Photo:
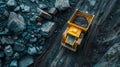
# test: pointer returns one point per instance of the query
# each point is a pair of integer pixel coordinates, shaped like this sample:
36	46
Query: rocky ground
23	36
106	50
30	34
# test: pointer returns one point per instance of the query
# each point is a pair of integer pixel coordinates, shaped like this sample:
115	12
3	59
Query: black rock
6	40
3	13
53	10
62	4
14	63
1	54
11	4
16	23
25	8
48	28
8	50
32	50
26	61
16	55
44	14
19	46
42	6
4	32
17	8
33	39
39	49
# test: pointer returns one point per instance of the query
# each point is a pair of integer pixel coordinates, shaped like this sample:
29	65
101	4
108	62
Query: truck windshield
70	39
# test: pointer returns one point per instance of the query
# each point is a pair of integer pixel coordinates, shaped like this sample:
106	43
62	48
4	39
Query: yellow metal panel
74	31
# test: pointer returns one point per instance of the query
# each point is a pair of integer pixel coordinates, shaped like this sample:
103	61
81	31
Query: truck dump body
77	25
81	21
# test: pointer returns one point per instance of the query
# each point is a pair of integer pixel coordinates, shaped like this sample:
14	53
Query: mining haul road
57	56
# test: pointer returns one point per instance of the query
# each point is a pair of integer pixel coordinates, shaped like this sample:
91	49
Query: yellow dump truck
78	24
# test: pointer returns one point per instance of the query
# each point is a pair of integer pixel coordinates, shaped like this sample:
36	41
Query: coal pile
26	28
24	25
81	21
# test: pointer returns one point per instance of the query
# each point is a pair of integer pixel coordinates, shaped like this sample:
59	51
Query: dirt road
58	56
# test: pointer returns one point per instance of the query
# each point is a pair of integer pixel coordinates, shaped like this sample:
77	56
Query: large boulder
44	14
48	28
62	4
16	22
11	4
